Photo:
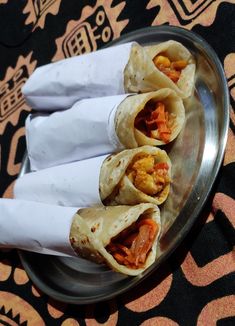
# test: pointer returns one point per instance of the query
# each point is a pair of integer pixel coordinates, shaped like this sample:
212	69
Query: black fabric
199	275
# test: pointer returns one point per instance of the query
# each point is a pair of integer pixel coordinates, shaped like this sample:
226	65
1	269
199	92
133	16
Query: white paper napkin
86	130
75	184
59	85
36	227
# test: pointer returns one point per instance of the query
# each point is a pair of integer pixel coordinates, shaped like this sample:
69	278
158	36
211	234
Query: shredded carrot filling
154	121
171	69
131	246
147	176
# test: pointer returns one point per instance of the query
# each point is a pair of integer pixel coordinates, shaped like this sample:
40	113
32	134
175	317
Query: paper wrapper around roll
69	231
59	85
36	227
72	184
104	179
84	131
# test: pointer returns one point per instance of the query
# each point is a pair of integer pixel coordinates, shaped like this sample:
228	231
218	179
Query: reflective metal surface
196	156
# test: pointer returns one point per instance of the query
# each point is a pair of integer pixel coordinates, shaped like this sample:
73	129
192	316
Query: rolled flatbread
173	66
154	118
123	237
135	176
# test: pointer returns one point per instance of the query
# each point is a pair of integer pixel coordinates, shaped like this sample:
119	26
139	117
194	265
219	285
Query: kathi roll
135	176
103	125
123	237
129	177
119	69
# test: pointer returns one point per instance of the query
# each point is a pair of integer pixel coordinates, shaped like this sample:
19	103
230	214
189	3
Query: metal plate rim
222	143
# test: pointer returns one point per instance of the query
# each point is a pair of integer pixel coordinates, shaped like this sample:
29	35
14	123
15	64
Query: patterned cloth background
196	285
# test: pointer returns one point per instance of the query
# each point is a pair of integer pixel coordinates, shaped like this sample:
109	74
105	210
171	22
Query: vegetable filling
132	246
148	176
171	69
155	121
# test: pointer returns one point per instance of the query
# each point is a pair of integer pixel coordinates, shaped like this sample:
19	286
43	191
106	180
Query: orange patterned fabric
196	285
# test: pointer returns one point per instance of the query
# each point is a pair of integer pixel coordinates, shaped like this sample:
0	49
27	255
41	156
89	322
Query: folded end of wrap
94	232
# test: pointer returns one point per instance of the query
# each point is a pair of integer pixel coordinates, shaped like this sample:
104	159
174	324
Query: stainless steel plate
196	156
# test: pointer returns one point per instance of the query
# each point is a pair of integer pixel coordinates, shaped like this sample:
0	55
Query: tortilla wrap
100	179
90	231
117	186
153	78
131	106
139	75
93	229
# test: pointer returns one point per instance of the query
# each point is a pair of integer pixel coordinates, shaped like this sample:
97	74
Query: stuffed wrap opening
170	66
132	246
156	120
148	175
